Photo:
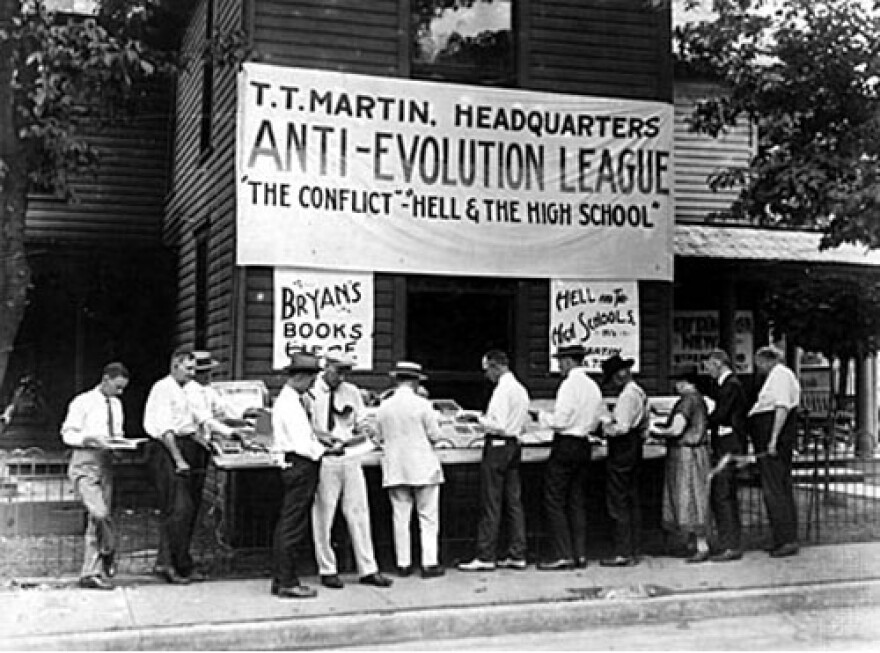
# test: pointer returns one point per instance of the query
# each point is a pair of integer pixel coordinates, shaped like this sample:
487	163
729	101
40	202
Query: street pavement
141	613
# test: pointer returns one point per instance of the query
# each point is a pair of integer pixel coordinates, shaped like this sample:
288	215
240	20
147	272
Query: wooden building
616	50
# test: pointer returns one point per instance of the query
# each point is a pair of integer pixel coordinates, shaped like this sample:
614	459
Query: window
205	131
200	339
468	41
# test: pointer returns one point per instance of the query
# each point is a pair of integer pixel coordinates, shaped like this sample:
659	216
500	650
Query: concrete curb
389	626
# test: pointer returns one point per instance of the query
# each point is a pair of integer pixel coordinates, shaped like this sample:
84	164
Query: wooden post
866	405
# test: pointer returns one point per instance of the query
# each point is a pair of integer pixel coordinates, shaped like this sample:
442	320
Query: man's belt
502	437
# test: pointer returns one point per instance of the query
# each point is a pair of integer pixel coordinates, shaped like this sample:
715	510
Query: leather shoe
556	565
434	571
698	557
403	572
95	583
332	581
477	565
297	592
785	550
728	555
580	563
619	561
171	576
512	563
108	562
376	580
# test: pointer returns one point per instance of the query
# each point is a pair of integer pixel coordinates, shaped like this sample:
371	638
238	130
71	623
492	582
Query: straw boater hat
204	361
302	362
571	351
407	370
340	360
612	365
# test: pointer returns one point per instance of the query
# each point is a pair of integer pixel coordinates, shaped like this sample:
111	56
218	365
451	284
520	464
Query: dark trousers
500	488
565	506
724	499
298	483
622	492
180	497
776	484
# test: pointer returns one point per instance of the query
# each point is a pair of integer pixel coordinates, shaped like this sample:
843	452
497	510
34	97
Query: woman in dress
686	487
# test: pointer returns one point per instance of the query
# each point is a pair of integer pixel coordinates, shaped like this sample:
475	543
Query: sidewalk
241	614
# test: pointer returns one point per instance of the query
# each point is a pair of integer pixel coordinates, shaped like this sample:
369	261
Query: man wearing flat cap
338	411
575	416
300	450
625	429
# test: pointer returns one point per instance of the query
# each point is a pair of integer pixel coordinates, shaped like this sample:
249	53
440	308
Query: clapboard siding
203	190
591	47
349	36
121	203
596	47
697	156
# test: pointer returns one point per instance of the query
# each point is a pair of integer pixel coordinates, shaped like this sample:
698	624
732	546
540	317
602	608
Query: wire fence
42	521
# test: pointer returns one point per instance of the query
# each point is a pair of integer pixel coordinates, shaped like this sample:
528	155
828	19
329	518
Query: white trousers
342	482
427	502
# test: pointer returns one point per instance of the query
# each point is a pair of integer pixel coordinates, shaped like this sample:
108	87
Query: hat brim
412	376
206	367
625	364
301	370
569	354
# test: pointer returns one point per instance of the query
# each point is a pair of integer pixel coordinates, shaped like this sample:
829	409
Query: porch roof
749	243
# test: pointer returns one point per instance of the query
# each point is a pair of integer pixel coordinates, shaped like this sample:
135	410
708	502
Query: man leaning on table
93	419
575	417
338	411
626	430
504	422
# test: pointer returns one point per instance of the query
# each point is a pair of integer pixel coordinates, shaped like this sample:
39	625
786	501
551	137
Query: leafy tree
807	74
58	74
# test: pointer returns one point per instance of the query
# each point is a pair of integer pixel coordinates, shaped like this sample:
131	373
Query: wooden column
866	405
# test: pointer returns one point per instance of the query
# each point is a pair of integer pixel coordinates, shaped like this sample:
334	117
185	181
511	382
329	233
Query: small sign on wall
323	312
603	316
696	333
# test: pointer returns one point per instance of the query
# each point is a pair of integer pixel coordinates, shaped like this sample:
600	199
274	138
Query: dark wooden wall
611	48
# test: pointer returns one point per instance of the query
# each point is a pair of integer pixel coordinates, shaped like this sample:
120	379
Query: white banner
696	333
603	316
355	172
322	312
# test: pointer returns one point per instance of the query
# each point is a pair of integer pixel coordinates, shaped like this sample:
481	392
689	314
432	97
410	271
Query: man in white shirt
773	429
338	410
300	450
206	402
575	417
177	461
93	418
504	422
626	430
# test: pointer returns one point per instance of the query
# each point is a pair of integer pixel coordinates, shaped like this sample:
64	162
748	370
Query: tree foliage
807	74
58	74
836	313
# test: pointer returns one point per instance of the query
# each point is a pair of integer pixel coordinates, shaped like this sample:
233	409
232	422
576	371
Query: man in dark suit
728	422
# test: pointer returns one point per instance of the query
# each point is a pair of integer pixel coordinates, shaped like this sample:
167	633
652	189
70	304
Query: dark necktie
331	418
109	418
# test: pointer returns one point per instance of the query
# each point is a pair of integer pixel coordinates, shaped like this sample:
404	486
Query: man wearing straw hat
407	427
338	410
576	415
625	432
